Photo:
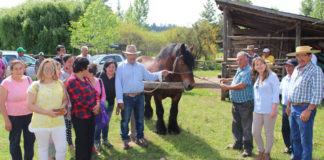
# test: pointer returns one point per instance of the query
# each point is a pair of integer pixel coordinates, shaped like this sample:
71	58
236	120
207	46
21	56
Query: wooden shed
281	32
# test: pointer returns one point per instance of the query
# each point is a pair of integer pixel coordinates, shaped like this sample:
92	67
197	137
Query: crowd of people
69	91
254	92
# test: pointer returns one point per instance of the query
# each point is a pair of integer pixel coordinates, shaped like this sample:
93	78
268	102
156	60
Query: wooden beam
178	85
225	50
286	29
273	38
298	34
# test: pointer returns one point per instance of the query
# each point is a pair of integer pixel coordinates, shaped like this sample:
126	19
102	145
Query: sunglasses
46	69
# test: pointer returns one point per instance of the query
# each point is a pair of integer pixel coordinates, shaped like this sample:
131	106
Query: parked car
101	59
30	61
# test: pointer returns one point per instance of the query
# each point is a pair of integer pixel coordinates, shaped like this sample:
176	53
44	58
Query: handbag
102	119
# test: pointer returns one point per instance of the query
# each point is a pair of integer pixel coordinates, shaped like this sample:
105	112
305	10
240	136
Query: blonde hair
40	73
255	73
14	62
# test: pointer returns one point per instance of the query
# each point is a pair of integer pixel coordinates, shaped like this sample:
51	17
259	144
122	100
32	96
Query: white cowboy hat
249	47
303	49
131	49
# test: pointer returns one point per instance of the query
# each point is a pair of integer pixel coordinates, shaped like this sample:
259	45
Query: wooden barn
281	32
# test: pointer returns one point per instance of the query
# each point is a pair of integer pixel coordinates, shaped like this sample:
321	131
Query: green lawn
209	73
205	122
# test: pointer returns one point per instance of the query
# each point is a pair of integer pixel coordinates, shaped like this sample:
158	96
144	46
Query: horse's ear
183	48
191	48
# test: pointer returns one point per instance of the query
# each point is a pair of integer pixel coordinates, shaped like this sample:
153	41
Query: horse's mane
188	58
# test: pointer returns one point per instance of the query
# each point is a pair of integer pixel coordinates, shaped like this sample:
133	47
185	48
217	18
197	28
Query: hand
223	80
288	111
8	125
224	87
96	109
51	113
273	113
120	106
305	115
72	147
165	73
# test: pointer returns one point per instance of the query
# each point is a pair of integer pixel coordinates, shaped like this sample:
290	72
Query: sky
182	12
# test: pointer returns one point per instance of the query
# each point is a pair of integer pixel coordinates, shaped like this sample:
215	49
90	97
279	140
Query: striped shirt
242	76
307	86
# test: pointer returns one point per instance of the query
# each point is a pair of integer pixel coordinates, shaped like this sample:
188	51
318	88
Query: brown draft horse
178	59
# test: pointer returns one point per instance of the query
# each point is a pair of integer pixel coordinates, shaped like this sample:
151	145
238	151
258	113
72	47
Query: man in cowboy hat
304	93
285	127
250	50
129	87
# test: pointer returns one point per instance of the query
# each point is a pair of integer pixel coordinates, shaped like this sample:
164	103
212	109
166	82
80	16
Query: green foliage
98	27
209	12
307	7
137	13
313	8
38	25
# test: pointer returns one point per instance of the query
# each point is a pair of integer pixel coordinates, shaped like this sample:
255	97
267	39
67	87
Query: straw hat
303	49
131	49
249	47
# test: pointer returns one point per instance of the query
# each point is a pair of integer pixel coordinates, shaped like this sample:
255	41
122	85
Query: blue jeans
104	130
19	125
137	104
302	133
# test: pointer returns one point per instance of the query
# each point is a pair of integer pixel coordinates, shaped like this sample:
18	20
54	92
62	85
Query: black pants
242	124
285	128
20	124
84	133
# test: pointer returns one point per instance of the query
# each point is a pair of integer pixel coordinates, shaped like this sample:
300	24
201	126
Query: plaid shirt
307	86
83	97
245	94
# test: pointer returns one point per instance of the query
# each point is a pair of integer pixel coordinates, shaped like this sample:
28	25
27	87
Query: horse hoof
174	130
160	132
148	115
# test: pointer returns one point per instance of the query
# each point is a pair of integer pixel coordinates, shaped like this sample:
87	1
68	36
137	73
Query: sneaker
126	145
141	142
246	154
98	146
95	151
107	144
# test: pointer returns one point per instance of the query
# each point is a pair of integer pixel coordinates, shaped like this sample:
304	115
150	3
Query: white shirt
266	94
88	57
284	89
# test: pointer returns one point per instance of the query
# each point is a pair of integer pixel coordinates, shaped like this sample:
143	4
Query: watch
310	109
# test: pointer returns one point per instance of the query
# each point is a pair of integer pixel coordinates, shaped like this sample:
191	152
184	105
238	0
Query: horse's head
183	66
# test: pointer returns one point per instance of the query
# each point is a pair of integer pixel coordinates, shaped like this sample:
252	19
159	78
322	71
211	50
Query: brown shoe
266	156
246	154
126	145
260	156
141	142
232	146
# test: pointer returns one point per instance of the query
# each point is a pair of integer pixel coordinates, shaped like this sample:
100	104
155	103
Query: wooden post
298	34
225	47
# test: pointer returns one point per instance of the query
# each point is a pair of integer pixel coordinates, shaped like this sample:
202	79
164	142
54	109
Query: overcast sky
182	12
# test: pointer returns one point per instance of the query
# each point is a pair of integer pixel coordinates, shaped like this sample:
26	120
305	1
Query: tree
313	8
209	12
38	26
97	27
137	14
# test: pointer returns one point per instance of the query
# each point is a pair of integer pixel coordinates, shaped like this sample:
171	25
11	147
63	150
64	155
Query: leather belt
299	104
132	94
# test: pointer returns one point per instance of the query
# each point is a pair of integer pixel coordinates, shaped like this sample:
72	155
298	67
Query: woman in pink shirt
99	86
13	106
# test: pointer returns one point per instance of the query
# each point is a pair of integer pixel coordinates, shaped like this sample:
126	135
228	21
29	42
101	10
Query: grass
209	73
205	123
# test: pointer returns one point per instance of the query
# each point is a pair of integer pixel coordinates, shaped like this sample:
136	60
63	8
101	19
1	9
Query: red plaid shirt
83	97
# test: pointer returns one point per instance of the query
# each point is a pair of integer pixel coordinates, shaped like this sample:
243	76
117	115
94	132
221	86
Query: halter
175	66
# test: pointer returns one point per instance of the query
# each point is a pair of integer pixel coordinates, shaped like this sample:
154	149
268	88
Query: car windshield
97	58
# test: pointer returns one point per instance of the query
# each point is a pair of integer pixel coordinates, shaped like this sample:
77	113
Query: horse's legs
173	123
148	111
160	126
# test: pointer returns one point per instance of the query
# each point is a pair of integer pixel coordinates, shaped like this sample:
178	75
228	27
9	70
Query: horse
179	60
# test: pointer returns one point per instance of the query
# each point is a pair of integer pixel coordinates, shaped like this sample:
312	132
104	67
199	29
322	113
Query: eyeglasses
46	69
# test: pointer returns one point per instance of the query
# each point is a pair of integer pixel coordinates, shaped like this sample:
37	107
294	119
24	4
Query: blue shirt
129	78
4	61
284	87
242	76
266	94
251	58
307	86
